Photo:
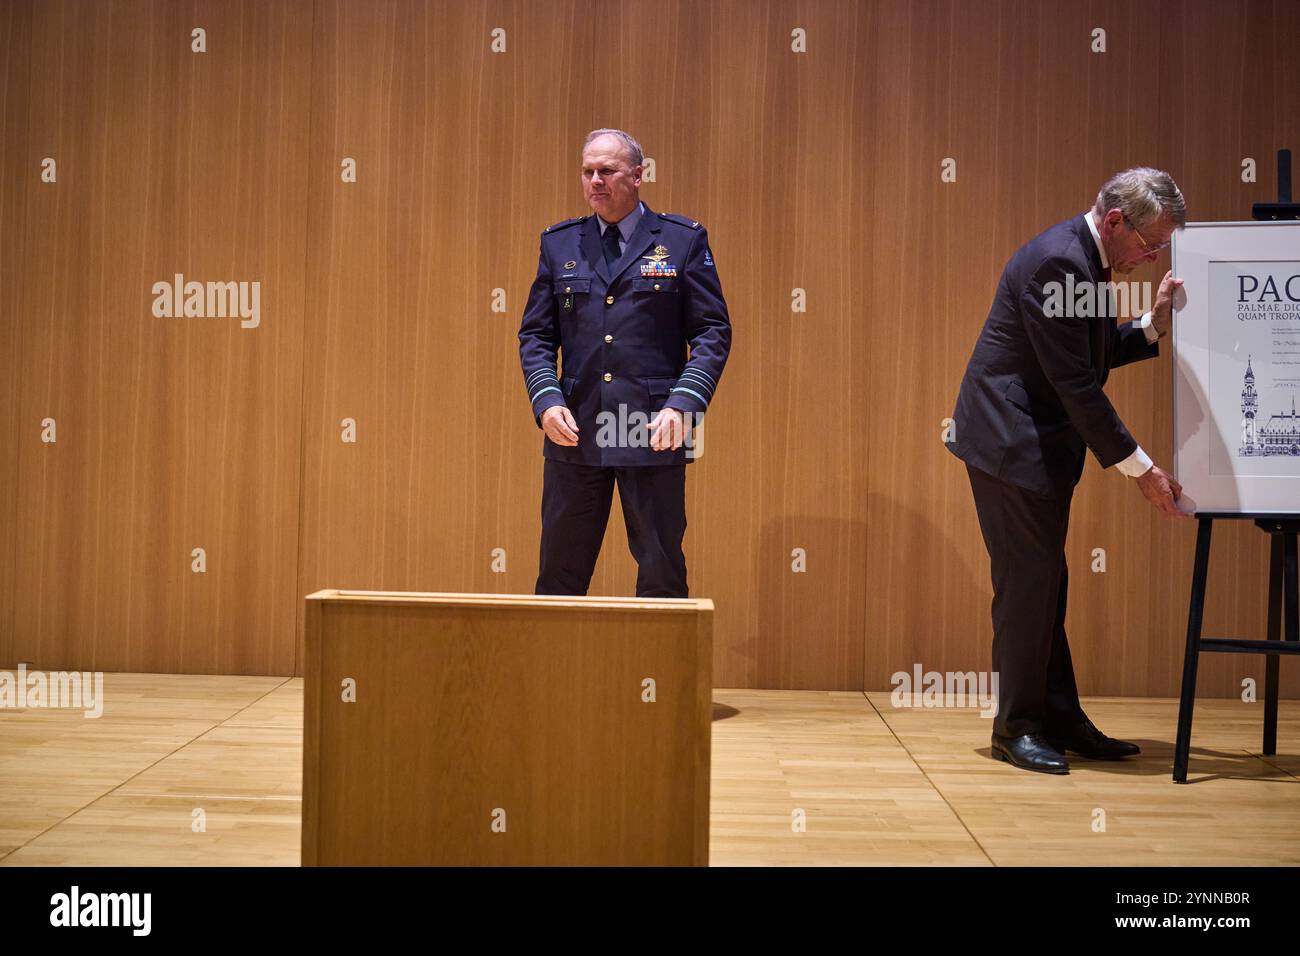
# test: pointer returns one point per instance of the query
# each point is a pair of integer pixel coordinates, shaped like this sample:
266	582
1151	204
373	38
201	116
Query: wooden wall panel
1037	121
401	269
1210	116
1228	91
173	433
448	462
817	171
16	177
785	463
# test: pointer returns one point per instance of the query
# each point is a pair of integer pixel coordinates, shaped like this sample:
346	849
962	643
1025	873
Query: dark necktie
609	239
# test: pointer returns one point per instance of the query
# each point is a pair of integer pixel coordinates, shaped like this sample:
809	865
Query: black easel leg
1273	633
1195	614
1291	587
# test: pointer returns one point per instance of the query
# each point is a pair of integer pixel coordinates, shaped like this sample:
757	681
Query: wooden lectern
502	729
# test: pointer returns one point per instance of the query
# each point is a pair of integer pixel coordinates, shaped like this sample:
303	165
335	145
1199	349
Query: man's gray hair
630	146
1142	194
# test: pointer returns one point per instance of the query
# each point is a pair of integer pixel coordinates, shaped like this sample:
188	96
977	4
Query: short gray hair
630	146
1142	194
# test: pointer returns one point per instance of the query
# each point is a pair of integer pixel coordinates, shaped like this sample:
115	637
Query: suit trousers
575	510
1025	536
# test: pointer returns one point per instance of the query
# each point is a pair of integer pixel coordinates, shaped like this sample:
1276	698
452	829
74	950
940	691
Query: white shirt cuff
1135	465
1147	325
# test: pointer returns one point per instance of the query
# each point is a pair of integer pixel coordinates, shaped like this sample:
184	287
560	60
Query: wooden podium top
556	601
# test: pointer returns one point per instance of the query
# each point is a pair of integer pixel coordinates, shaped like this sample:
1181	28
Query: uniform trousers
575	509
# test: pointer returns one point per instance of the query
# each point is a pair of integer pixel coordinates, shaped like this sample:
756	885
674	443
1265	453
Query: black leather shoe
1030	752
1087	741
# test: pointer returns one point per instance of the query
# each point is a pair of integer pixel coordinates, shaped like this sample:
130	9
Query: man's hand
1161	490
666	430
558	423
1162	314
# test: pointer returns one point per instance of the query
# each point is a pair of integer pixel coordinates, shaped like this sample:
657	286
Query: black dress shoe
1087	741
1030	752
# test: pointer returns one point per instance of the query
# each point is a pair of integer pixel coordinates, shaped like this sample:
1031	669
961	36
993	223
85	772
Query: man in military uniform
620	296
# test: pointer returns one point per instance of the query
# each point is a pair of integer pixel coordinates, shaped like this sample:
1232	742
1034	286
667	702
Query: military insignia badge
571	263
658	267
708	257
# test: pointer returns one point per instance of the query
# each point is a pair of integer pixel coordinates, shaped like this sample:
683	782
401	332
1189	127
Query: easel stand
1281	569
1281	584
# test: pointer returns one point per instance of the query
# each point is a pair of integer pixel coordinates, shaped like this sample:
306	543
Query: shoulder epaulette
562	225
680	220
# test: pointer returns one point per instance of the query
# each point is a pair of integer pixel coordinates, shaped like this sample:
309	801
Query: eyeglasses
1146	246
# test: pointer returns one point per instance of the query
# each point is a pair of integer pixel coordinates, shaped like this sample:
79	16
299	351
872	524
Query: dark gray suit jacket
1031	399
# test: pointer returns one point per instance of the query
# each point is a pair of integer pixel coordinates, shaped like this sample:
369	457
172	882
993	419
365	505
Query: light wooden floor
876	785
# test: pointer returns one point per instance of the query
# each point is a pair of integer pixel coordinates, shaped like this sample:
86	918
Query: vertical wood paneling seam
856	608
25	193
302	359
231	366
139	375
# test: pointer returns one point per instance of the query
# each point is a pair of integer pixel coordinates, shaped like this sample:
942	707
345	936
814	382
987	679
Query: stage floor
877	785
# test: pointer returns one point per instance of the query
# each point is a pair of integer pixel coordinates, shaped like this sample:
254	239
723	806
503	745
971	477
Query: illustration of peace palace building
1280	435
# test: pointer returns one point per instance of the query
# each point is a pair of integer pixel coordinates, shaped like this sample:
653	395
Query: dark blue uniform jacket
650	331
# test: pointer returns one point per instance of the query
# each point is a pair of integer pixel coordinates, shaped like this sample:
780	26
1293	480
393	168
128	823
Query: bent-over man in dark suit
1030	404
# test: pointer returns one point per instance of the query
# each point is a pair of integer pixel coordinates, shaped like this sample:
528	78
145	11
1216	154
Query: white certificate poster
1237	368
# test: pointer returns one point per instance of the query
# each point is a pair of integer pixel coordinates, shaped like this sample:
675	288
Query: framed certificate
1237	368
